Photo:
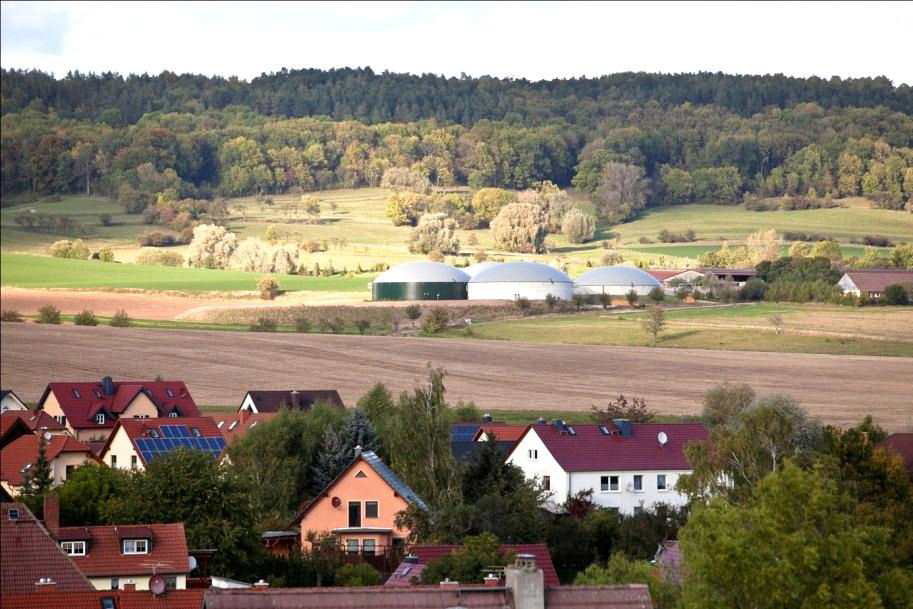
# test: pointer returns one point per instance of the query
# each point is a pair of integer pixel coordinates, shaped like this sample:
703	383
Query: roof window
13	514
100	418
153	433
254	424
107	602
220	424
169	392
76	393
195	432
233	425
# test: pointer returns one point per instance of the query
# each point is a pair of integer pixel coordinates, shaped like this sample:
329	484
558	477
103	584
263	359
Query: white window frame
352	546
100	418
113	461
534	453
13	514
134	461
136	544
634	483
73	548
605	488
173	414
665	486
617	484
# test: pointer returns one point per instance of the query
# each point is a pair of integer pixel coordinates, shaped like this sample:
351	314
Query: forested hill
363	95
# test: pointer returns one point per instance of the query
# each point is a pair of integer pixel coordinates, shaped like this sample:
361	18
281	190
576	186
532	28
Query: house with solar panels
134	443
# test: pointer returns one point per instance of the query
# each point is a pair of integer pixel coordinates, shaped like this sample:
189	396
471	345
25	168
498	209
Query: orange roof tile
24	450
104	557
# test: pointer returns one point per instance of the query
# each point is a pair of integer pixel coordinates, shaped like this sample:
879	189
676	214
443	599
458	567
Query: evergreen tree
37	479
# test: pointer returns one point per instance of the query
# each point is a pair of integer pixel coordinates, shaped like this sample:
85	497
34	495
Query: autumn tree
487	202
654	322
434	233
635	410
212	247
578	227
622	191
520	227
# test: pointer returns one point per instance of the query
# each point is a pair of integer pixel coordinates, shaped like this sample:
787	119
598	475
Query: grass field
691	250
806	329
22	270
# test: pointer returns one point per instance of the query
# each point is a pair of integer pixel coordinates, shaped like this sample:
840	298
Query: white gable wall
122	447
847	286
248	404
541	464
11	402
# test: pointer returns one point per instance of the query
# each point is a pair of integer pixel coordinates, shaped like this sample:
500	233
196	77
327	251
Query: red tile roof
504	432
104	557
901	444
876	280
631	596
663	275
24	450
377	597
429	553
303	399
54	599
145	428
34	419
81	401
589	450
28	553
237	425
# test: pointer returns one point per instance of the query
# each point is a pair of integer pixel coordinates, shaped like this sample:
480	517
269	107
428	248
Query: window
73	548
171	582
169	392
220	424
195	432
533	453
367	546
115	583
133	461
76	394
153	433
638	483
547	483
361	474
352	546
68	472
113	460
13	514
661	482
173	414
136	546
100	418
233	425
604	483
107	602
370	509
354	514
613	483
638	509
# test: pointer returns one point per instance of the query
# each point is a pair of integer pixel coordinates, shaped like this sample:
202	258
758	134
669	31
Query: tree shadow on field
678	335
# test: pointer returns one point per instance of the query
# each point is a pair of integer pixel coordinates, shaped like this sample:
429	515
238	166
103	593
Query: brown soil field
220	366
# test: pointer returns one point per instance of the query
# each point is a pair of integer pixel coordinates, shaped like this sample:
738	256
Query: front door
354	513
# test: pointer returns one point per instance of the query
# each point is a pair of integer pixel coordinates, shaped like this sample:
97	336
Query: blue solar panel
183	431
167	431
463	432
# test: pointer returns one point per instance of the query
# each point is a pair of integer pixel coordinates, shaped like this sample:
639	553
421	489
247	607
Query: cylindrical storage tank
424	280
514	280
616	281
474	269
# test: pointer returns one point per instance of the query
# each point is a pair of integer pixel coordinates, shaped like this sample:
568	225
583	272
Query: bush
520	227
264	324
578	227
303	325
268	288
49	314
611	258
362	325
632	298
357	574
895	294
523	304
211	247
666	236
413	312
605	300
435	320
85	318
434	233
657	295
332	326
487	202
120	319
155	258
106	220
550	301
69	249
157	239
10	315
754	289
106	254
877	241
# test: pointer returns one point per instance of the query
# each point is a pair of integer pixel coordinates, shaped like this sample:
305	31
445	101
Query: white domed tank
423	280
616	281
514	280
474	269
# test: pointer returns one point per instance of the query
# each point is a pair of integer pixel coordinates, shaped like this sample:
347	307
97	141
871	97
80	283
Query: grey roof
618	275
514	272
392	479
474	269
294	399
423	271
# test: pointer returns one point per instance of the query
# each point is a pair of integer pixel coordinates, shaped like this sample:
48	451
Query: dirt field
220	366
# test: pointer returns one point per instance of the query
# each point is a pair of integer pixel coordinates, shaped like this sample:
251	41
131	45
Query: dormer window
233	425
195	432
173	414
73	548
136	546
13	514
100	418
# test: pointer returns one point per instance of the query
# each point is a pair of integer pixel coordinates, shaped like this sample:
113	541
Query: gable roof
590	450
33	419
80	402
901	444
12	427
161	436
53	599
876	280
24	450
297	399
380	468
167	549
28	553
426	554
237	425
10	392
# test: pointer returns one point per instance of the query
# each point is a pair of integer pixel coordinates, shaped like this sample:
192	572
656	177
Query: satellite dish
157	585
336	501
192	562
662	438
47	436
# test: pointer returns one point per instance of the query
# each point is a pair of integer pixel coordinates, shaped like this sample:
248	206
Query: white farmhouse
628	466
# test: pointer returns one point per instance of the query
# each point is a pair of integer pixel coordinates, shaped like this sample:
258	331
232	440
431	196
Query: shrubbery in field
105	254
49	314
487	202
405	208
160	258
69	249
435	320
11	315
578	227
211	247
404	178
268	288
120	319
435	232
85	318
520	227
264	324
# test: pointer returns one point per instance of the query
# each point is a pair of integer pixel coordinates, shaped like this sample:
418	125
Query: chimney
526	582
107	385
262	584
447	584
52	514
129	587
492	581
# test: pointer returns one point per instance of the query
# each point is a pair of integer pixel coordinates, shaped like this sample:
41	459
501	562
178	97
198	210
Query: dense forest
680	138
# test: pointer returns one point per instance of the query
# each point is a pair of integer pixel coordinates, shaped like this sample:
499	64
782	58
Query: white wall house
10	401
628	466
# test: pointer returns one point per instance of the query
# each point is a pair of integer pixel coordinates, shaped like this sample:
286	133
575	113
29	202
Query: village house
873	282
33	421
62	452
135	442
10	401
293	399
628	466
359	507
90	410
236	426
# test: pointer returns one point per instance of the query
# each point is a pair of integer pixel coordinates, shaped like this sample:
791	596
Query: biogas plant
505	281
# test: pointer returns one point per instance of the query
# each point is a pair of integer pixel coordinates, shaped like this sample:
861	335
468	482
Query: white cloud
529	40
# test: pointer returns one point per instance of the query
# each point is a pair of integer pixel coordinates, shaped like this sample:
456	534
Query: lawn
807	329
28	271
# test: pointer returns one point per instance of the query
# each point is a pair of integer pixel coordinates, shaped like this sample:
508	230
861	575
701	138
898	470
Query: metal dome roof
478	267
512	272
618	275
423	271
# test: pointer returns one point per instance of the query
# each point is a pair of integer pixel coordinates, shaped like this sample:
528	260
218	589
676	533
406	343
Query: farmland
495	374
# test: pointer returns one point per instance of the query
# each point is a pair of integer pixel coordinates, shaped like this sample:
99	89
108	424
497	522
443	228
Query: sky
537	40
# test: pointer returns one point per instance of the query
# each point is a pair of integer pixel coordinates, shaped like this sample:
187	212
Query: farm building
615	281
515	280
423	280
873	282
